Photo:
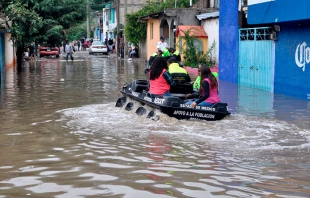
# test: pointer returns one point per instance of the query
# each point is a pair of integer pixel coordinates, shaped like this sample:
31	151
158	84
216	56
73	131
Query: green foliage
193	55
135	30
75	32
98	4
26	22
43	21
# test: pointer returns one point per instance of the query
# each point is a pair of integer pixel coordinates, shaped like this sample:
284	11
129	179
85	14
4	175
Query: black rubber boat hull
172	106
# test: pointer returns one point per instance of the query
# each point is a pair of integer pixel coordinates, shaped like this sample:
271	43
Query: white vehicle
98	47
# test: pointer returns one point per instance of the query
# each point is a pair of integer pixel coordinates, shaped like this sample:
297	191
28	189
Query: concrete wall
211	27
132	6
187	17
10	55
228	41
7	54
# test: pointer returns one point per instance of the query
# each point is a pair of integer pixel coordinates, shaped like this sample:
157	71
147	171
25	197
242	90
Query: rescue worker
178	73
166	53
153	56
175	53
180	77
196	84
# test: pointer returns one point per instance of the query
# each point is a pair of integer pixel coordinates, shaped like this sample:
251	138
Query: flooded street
62	136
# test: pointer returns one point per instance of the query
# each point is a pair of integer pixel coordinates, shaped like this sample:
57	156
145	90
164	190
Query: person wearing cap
178	73
162	43
180	77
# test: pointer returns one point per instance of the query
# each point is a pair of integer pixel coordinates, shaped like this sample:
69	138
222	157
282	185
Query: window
151	31
199	44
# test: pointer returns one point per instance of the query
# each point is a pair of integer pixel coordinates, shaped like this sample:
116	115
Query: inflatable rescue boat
173	106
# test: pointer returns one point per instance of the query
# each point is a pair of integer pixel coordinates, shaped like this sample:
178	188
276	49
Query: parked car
98	47
48	51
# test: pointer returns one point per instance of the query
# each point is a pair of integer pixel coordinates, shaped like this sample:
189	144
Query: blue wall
277	11
2	60
291	79
228	41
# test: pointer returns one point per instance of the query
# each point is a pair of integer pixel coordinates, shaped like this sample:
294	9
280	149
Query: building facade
271	46
210	23
165	24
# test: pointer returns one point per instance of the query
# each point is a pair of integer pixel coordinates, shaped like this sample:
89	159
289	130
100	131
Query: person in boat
196	84
175	53
160	78
160	44
165	53
179	74
208	89
153	56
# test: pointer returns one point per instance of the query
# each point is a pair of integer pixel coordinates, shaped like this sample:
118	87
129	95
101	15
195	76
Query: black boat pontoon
173	106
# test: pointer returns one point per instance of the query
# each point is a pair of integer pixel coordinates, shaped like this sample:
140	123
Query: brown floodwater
62	136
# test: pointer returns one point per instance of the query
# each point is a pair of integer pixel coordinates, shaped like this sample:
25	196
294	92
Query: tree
193	55
42	21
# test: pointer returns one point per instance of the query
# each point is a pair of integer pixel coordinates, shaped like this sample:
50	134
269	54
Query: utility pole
118	33
87	20
125	40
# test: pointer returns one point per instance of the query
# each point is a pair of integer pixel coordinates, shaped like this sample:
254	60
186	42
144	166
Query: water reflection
61	136
259	103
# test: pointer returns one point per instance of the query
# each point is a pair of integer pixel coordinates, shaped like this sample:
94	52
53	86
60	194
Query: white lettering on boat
177	112
147	99
198	107
208	108
194	114
135	94
185	105
159	101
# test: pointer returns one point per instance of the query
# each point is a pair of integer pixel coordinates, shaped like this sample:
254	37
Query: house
108	22
201	38
115	13
210	23
165	24
269	50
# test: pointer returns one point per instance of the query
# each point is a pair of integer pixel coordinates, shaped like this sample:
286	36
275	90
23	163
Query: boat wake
240	135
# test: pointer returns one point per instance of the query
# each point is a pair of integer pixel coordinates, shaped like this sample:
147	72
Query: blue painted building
2	56
280	38
228	41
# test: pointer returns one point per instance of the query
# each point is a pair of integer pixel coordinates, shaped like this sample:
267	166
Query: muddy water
61	136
